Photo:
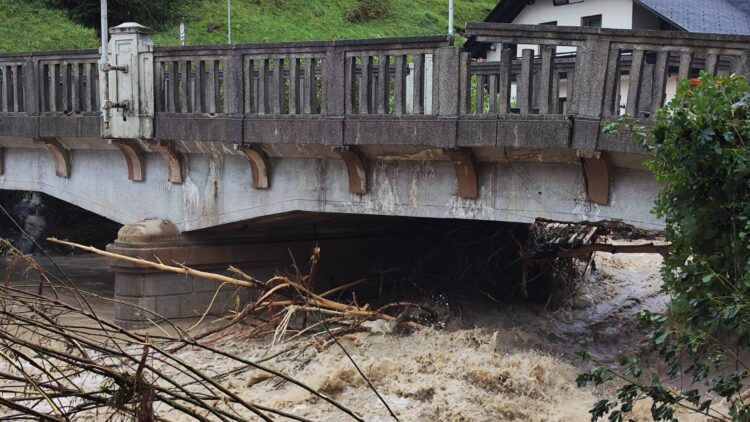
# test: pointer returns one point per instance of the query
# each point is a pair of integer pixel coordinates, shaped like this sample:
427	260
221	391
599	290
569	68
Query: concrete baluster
418	94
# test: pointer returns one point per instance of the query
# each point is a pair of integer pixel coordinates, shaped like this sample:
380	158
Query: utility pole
104	59
450	17
229	21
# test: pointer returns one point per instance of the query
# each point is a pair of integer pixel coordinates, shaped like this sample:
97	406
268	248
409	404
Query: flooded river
488	363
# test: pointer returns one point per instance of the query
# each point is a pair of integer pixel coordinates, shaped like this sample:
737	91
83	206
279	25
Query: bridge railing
603	71
417	90
64	82
242	93
388	76
37	89
68	83
584	75
11	85
395	79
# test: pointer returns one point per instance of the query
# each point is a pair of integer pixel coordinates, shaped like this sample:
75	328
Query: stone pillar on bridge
129	74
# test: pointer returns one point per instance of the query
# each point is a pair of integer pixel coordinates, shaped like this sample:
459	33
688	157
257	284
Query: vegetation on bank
703	159
37	25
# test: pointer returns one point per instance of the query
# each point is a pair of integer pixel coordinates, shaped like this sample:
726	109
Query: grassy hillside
291	20
26	26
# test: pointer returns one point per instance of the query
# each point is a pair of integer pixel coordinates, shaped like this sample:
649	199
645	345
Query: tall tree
153	13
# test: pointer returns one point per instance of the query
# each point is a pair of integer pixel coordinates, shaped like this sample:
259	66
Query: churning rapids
488	363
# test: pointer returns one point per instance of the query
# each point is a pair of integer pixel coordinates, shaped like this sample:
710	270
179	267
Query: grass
26	26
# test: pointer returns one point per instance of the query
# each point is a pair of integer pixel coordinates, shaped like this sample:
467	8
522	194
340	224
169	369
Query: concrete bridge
200	137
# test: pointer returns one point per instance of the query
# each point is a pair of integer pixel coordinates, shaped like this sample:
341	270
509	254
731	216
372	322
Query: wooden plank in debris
589	235
585	250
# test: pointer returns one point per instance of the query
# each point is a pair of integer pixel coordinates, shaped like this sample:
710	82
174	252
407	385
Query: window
592	21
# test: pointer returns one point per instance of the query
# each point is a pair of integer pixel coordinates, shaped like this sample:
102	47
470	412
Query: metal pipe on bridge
104	60
450	17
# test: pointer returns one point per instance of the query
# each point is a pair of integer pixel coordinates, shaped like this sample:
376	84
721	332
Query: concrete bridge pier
144	294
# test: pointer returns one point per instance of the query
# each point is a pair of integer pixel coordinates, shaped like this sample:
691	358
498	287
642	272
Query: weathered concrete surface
144	294
217	189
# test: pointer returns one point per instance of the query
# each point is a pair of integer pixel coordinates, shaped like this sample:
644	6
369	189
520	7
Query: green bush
702	158
368	10
153	13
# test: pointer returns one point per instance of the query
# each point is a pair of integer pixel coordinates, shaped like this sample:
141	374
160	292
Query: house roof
712	16
715	16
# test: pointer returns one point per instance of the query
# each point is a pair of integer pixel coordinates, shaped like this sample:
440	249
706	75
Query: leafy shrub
153	13
703	159
368	10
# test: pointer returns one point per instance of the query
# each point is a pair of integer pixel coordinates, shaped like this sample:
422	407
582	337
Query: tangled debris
48	361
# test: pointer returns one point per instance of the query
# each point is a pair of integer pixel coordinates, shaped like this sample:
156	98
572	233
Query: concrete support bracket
355	168
172	159
467	173
596	170
259	165
133	154
60	155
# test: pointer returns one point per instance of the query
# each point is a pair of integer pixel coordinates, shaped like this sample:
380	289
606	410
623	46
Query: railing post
334	82
742	65
130	75
30	87
591	73
447	92
234	90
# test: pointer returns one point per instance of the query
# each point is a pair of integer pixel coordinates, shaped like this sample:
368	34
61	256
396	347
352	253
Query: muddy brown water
487	362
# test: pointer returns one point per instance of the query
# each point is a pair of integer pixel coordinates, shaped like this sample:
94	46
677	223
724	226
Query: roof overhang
657	13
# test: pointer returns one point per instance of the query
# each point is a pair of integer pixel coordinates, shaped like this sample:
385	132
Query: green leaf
661	337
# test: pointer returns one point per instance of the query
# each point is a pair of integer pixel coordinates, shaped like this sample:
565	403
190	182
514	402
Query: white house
705	16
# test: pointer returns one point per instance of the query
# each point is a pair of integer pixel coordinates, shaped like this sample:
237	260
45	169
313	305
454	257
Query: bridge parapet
336	93
600	74
292	92
49	94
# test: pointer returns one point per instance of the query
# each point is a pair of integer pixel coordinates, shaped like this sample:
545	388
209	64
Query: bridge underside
213	184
